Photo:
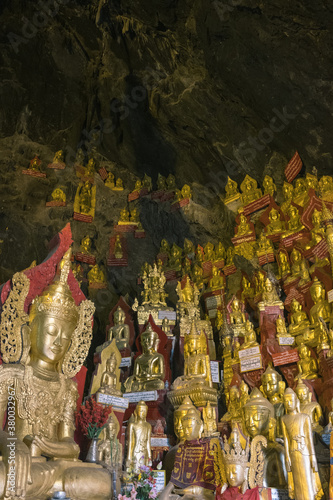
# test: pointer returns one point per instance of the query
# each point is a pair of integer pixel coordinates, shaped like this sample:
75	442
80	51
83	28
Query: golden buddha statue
96	275
247	289
269	185
119	331
288	192
189	249
209	418
321	307
138	438
118	248
318	231
230	256
90	168
307	365
269	296
220	252
197	276
110	449
243	227
259	420
175	260
161	183
85	199
311	408
275	225
109	181
283	263
326	188
219	320
209	254
124	216
299	321
244	393
259	282
237	316
250	190
109	378
39	365
217	281
164	247
58	157
186	192
303	478
234	413
272	386
300	192
228	361
35	164
231	191
250	337
171	182
58	195
294	223
281	329
135	216
137	187
265	246
149	367
311	180
178	196
197	380
85	246
119	186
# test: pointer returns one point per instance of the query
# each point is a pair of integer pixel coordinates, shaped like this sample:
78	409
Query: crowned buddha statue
243	228
231	191
269	296
209	254
307	364
250	337
299	322
237	316
318	231
217	281
109	181
288	192
109	378
197	380
171	182
294	223
283	263
149	367
303	478
209	418
300	192
326	188
58	195
265	246
138	439
272	386
259	420
275	225
41	354
119	331
250	190
311	408
269	185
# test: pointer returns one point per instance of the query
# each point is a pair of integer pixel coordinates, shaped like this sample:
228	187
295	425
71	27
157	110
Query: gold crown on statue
57	299
195	334
233	453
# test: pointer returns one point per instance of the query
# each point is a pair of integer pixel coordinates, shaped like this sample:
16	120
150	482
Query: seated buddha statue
281	329
299	321
326	188
90	168
300	192
243	227
265	246
231	191
209	254
58	157
137	187
234	413
58	195
124	216
39	369
164	247
269	185
217	280
135	216
175	260
186	192
275	225
294	223
109	181
96	275
35	164
118	248
237	316
119	331
311	408
321	307
85	246
269	296
311	180
209	418
259	420
230	256
171	182
307	365
317	231
85	198
110	450
250	190
250	337
119	186
220	253
283	263
288	192
149	367
247	289
161	183
109	378
197	276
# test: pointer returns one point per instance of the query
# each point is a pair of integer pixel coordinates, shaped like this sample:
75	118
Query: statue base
55	203
83	217
33	173
168	196
125	228
85	258
199	394
266	259
157	195
227	270
57	166
140	234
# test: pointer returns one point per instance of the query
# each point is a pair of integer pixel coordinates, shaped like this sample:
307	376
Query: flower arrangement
92	417
144	484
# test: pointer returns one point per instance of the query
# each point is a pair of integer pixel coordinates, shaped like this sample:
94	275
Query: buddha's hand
16	458
67	448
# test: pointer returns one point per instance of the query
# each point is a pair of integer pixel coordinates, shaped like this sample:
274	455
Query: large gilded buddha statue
41	354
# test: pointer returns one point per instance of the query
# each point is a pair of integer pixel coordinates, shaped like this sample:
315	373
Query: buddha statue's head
303	392
149	340
56	324
111	363
234	395
119	316
291	401
141	411
192	424
258	414
274	215
292	212
311	181
287	190
270	381
326	183
268	285
304	352
112	427
294	307
236	460
178	416
295	256
235	305
317	290
300	186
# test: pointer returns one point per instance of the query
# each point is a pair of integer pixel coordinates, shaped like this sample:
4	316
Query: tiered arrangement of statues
217	378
